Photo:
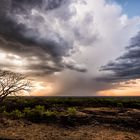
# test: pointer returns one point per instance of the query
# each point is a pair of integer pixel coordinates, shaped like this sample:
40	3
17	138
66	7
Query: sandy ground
22	130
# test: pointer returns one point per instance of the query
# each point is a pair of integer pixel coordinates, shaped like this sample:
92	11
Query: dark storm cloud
26	5
13	32
76	67
19	39
127	66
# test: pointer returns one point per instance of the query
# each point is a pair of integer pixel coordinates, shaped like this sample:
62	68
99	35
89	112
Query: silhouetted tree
12	84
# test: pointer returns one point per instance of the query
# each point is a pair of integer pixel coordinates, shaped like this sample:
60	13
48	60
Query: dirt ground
22	130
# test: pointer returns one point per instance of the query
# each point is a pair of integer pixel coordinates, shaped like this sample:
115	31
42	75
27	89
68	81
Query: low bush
16	114
71	111
50	113
2	109
36	113
120	105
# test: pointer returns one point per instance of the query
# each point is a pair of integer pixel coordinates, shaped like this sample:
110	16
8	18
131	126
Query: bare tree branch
12	84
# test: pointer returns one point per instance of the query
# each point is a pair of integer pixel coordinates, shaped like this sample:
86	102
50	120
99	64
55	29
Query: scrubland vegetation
45	109
70	112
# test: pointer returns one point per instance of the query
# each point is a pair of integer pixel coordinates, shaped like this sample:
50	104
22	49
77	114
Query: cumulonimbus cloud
61	38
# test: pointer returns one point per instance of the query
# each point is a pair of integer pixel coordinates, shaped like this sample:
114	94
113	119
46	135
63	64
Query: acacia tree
12	84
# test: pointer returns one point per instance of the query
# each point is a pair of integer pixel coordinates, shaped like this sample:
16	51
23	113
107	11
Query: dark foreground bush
39	114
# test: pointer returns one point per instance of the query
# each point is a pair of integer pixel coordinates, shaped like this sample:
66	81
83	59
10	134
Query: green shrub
27	112
35	113
120	105
39	108
5	113
2	109
50	113
16	114
71	111
38	111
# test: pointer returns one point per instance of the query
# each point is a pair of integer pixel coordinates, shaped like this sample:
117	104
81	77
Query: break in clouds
69	41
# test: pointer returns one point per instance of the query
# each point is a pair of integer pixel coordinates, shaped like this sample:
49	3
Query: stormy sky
72	47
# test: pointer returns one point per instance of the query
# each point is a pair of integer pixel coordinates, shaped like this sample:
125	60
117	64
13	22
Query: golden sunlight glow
130	88
117	92
42	89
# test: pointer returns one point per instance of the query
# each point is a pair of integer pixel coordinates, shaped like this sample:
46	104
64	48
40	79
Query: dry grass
30	131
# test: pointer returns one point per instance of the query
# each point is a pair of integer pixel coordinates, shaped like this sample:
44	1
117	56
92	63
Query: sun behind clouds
42	89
